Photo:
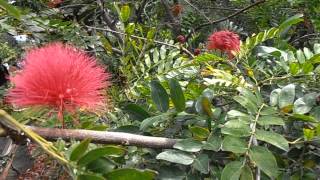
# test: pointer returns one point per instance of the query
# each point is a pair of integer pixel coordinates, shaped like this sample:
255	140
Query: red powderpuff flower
225	41
59	76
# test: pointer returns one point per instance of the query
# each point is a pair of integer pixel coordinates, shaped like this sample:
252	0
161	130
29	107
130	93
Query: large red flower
225	41
59	76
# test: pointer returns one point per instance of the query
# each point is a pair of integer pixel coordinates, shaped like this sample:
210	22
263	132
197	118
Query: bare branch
104	137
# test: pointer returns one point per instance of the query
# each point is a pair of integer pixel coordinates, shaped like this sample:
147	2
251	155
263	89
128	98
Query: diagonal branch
108	20
226	18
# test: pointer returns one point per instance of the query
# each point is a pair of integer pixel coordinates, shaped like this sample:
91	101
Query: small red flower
196	52
59	76
181	39
225	41
54	3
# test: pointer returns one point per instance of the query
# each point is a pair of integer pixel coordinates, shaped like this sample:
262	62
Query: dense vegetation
175	69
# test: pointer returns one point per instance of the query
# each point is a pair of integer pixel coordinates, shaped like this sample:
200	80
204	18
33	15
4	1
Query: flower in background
225	41
59	76
177	9
54	3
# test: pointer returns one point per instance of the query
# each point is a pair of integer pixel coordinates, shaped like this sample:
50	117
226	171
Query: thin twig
226	18
197	9
108	20
145	39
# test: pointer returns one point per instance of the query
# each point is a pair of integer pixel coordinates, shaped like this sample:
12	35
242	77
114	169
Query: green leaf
125	13
177	95
90	177
307	52
213	143
199	132
155	120
189	145
79	150
300	56
206	57
147	60
270	120
307	68
272	138
291	21
246	103
246	173
294	68
159	96
13	11
249	95
268	111
308	134
274	97
236	128
101	165
265	160
287	95
171	172
232	171
304	104
234	144
201	163
301	117
235	113
132	174
136	111
100	152
176	156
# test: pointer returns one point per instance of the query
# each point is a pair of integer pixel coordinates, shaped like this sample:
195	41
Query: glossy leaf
13	11
176	156
246	173
272	138
265	160
159	96
201	163
132	174
136	111
234	144
232	171
236	128
287	95
79	150
189	145
100	152
125	13
270	120
155	120
101	165
199	132
90	177
177	95
304	104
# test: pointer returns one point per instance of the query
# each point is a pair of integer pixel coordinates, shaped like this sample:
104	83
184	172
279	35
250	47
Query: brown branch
108	20
104	137
176	28
226	18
